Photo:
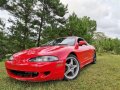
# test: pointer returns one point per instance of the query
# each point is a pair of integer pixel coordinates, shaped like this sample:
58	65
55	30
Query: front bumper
34	71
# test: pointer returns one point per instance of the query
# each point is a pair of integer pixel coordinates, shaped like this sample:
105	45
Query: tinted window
62	41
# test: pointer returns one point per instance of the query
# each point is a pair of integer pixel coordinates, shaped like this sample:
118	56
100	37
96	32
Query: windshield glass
62	41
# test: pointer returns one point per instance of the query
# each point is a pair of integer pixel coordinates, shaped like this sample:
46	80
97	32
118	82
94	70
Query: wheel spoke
75	66
72	71
68	65
71	62
68	71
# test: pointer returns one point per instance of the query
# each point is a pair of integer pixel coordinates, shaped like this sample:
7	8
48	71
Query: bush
107	45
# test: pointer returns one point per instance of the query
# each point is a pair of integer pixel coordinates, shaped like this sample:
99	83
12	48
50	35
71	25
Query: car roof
75	37
72	37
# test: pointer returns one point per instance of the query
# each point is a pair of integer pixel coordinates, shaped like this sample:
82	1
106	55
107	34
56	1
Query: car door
84	51
91	53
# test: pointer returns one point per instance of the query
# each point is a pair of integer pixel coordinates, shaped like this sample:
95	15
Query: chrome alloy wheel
72	68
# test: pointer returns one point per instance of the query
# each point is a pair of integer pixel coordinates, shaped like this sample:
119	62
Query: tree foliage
83	27
38	21
31	17
74	26
49	13
3	39
104	44
23	11
2	3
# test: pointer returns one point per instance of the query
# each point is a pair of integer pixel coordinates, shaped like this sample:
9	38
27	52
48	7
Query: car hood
37	51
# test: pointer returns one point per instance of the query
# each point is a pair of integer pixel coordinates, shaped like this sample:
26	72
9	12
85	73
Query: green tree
2	3
52	32
2	39
31	17
23	11
83	27
50	14
107	45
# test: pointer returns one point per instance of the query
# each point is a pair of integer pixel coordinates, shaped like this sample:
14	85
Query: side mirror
82	43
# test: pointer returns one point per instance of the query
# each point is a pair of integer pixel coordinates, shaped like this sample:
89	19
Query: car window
81	39
62	41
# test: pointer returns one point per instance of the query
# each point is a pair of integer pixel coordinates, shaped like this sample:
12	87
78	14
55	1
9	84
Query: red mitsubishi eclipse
59	59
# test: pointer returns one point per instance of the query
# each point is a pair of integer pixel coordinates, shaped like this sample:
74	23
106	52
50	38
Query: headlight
11	58
44	59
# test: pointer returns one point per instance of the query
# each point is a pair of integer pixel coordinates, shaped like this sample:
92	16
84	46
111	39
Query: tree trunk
41	25
39	35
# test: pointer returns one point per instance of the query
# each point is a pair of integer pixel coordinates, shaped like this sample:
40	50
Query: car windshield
62	41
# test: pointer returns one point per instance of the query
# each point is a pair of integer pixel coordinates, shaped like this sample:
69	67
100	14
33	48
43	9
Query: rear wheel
72	68
94	59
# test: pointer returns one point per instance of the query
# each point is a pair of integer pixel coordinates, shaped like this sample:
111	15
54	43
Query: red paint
47	70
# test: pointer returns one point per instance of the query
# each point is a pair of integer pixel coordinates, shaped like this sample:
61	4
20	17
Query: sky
105	12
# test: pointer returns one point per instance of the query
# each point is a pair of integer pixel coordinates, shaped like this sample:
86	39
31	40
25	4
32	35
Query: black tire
94	58
77	68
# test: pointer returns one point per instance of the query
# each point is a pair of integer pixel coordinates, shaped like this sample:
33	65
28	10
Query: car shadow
86	67
28	83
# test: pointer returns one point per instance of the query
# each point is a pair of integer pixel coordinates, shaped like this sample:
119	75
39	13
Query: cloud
105	12
4	15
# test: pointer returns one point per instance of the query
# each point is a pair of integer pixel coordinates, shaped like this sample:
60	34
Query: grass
105	75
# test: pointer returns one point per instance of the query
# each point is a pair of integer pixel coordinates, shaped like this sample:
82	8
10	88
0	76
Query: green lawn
105	75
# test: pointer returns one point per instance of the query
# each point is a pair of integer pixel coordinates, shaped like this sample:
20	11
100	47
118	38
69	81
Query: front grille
24	74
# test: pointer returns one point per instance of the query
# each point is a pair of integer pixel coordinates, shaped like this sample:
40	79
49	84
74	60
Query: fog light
47	73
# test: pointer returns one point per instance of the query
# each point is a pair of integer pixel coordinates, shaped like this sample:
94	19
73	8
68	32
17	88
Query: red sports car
61	58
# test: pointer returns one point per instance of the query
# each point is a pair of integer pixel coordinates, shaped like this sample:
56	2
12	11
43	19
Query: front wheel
72	68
